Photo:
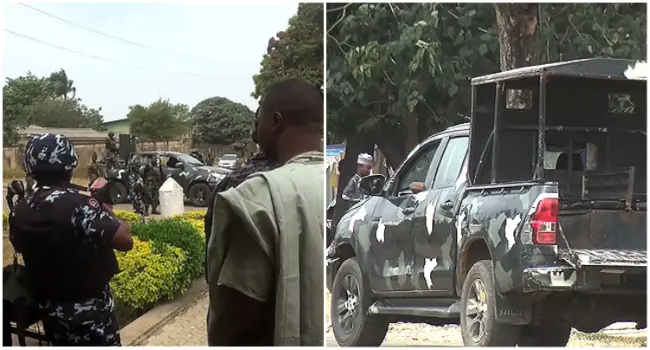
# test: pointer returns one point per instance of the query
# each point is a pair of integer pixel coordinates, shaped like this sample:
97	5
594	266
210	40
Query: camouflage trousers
138	202
153	198
111	160
89	322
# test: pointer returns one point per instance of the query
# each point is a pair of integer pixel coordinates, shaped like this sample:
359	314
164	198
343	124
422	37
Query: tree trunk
410	123
355	145
392	144
519	43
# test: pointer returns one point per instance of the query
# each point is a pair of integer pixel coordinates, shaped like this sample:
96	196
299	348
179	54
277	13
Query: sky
229	40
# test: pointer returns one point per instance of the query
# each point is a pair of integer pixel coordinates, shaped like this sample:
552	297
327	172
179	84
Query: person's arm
241	295
351	193
243	313
93	221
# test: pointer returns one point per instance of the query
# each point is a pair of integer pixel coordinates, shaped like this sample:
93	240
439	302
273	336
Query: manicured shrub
193	215
181	234
149	273
198	224
128	216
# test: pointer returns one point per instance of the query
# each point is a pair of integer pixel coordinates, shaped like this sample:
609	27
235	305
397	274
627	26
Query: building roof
592	68
74	134
115	121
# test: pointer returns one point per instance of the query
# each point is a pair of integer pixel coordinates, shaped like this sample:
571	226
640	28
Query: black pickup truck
523	224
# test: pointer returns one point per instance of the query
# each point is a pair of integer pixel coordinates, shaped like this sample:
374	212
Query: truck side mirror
372	185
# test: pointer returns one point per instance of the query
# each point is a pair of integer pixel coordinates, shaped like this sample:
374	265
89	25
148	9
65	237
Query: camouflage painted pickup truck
197	179
523	224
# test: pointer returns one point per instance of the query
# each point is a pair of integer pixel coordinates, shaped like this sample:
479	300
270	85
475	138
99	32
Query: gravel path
416	334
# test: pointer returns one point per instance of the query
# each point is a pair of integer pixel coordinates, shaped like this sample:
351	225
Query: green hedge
148	274
181	234
130	217
167	257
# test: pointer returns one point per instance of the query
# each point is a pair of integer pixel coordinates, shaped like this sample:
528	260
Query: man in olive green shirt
265	253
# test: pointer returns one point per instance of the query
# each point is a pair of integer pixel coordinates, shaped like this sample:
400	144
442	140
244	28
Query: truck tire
480	328
118	192
199	194
348	307
549	333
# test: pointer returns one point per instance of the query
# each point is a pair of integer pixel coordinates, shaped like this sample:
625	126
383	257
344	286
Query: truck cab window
417	168
452	162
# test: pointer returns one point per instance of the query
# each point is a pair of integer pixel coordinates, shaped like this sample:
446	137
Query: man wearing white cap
364	166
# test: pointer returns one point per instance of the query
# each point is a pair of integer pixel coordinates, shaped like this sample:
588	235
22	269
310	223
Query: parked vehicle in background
228	161
197	179
524	224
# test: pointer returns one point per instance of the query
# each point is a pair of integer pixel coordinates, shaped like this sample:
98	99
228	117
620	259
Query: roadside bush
181	234
199	225
149	273
192	215
130	217
5	221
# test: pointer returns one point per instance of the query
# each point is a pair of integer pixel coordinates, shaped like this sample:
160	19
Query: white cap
364	159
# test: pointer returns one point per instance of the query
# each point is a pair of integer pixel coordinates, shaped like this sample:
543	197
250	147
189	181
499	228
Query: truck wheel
118	192
350	301
549	333
199	195
477	321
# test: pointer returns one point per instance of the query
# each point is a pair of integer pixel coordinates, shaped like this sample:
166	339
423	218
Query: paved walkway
186	329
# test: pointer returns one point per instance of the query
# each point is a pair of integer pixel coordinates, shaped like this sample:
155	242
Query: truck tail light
544	221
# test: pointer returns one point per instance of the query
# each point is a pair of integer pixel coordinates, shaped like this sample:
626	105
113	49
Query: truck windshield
187	159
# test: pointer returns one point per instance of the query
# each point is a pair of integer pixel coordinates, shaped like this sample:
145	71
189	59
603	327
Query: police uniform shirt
64	238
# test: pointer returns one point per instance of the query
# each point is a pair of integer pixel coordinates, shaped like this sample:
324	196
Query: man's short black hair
298	101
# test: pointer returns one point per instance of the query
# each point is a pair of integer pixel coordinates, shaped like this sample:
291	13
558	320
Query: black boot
154	210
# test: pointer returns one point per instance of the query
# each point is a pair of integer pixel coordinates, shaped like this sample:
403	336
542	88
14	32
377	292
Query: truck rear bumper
621	280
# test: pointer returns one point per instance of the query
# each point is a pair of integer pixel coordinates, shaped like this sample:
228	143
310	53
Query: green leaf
453	89
483	49
451	32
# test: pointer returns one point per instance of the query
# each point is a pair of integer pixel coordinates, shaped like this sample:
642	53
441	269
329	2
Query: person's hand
108	208
417	187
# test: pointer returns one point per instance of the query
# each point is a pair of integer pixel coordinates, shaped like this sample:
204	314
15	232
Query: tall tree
296	52
44	101
61	85
519	35
159	121
220	121
397	73
59	113
17	94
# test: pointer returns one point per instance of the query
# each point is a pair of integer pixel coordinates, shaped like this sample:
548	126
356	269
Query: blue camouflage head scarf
49	153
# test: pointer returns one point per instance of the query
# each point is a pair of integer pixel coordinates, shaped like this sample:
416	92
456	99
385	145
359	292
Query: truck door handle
448	205
408	210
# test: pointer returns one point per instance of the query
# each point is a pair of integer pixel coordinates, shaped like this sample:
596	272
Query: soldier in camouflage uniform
112	151
153	179
66	240
95	169
196	154
137	191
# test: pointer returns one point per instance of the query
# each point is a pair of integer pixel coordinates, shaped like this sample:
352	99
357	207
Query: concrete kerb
136	332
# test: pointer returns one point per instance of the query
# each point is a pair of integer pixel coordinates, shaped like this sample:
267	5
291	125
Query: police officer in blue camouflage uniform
66	240
136	193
